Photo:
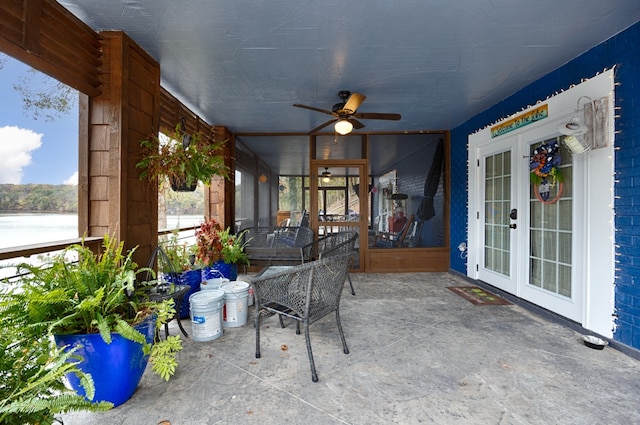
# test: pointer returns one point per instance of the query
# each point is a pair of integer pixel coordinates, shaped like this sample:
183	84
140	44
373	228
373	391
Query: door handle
513	226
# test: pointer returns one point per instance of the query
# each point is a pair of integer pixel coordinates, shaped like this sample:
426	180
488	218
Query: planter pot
190	278
180	185
116	368
230	271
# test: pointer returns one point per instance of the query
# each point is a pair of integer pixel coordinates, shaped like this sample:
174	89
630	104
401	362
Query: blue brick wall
623	52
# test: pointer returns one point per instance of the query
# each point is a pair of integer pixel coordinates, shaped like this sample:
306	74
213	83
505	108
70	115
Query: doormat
478	296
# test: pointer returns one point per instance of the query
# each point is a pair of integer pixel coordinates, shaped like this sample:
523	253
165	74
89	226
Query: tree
42	96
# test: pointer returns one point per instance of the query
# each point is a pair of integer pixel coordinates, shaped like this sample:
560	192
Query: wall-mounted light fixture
326	175
262	178
343	127
574	131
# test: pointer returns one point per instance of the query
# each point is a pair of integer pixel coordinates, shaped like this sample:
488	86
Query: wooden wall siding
172	111
220	198
119	202
83	164
391	260
121	102
46	36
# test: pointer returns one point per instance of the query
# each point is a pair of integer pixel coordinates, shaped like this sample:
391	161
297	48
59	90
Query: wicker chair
277	245
305	293
336	244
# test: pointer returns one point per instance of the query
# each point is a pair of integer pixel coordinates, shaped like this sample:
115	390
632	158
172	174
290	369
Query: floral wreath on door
544	171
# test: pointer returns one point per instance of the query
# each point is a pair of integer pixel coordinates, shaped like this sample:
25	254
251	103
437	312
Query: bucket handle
219	273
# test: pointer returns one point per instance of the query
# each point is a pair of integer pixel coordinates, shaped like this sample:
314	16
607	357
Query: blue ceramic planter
230	271
190	278
116	368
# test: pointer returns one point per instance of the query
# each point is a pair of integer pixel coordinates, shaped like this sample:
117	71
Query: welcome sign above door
519	121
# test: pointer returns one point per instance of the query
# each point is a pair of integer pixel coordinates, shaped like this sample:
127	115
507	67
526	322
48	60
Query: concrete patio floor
419	354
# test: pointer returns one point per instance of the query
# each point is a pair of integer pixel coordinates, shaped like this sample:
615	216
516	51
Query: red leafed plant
215	244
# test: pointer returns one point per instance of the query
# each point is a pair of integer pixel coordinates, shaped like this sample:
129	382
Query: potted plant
31	369
94	305
179	267
219	250
182	159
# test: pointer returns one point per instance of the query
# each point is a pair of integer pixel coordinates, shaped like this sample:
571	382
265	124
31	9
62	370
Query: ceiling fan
345	113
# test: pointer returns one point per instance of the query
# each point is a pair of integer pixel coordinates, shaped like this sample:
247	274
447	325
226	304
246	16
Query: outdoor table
165	291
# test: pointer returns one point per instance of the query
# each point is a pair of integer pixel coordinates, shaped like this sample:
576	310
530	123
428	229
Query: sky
34	151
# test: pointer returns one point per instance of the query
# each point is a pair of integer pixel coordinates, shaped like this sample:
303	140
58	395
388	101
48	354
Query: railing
93	243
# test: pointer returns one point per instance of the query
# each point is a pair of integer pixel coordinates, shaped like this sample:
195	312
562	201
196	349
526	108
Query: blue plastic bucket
191	278
206	315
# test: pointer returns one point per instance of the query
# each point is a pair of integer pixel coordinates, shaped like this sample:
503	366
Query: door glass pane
550	227
497	206
338	203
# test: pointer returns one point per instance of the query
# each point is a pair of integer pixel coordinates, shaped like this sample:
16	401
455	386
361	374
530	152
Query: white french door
497	247
558	249
554	254
525	240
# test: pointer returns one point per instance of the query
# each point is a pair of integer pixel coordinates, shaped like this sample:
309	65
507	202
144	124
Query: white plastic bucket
205	308
214	283
236	296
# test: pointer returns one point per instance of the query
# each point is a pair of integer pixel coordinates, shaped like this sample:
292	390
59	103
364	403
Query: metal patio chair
304	293
336	244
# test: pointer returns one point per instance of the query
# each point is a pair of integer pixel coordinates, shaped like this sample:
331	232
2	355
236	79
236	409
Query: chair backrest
403	231
304	236
284	223
304	219
413	235
311	290
337	243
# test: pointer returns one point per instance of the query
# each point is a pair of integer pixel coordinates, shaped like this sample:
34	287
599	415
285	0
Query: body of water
32	228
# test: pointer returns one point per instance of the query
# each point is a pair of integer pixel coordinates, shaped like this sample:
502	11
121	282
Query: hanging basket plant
181	185
182	160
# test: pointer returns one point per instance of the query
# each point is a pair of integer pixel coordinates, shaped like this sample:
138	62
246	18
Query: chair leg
314	375
257	326
345	349
350	284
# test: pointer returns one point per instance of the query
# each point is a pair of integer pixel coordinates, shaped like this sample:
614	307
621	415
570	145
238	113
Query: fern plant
179	157
31	372
79	292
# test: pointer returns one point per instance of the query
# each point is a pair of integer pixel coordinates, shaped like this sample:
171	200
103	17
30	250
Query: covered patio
419	353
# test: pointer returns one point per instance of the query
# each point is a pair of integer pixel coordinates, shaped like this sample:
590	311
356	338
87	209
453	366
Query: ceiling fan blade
353	103
313	108
321	126
356	124
377	116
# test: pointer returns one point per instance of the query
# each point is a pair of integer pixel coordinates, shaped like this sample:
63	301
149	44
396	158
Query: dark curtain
426	210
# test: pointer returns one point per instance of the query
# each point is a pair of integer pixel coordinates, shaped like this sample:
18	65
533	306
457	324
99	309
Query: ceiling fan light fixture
326	175
343	127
